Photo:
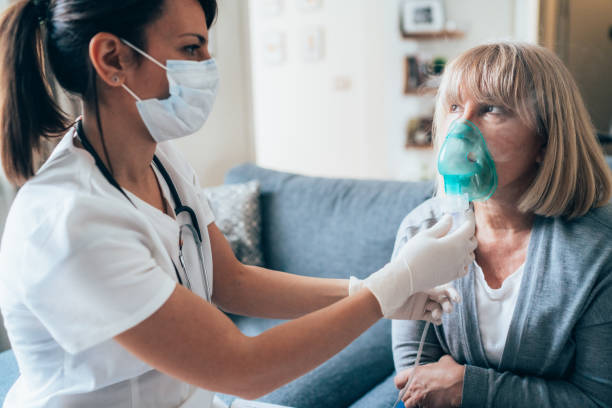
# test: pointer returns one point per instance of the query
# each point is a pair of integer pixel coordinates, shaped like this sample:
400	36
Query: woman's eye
454	108
493	109
191	49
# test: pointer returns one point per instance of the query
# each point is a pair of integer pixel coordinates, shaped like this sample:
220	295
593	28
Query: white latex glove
429	259
428	306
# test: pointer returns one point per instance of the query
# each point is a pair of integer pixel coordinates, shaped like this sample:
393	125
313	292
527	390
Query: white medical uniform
79	264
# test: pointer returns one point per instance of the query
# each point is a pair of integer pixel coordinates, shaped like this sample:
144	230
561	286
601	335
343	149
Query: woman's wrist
456	402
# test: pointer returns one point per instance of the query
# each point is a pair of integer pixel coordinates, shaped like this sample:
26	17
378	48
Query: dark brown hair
45	39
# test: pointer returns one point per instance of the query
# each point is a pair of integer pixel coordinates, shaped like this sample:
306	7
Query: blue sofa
332	228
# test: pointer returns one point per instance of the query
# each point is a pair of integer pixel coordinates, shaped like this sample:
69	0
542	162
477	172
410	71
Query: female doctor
106	265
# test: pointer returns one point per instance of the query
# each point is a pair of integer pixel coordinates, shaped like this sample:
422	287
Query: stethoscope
194	227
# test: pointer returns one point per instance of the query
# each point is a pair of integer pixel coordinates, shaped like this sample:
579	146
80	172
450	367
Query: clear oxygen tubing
417	362
456	206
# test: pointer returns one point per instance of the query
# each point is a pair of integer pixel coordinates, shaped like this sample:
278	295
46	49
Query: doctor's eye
192	50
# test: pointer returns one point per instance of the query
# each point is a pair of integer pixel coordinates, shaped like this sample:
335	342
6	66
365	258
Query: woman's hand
436	385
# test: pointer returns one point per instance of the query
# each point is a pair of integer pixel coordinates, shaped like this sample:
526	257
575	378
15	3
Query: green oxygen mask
466	164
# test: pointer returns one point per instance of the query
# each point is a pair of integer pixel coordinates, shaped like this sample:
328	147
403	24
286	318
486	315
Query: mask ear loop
147	56
144	54
128	90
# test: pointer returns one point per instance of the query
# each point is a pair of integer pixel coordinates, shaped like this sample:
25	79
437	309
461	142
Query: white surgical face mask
193	89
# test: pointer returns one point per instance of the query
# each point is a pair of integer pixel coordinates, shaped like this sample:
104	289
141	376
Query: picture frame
309	5
312	40
418	133
274	47
422	16
422	76
270	8
413	75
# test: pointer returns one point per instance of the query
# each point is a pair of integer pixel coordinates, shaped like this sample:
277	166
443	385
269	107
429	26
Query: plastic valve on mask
466	166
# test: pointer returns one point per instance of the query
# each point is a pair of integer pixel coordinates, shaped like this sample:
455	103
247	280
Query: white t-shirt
495	309
79	264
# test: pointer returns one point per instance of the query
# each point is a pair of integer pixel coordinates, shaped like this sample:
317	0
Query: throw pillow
237	214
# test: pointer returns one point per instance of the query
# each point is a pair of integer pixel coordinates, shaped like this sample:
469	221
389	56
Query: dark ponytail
36	34
28	112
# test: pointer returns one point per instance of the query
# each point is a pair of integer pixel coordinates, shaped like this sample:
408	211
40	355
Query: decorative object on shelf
420	74
312	44
270	8
309	5
274	48
437	65
413	75
418	133
422	16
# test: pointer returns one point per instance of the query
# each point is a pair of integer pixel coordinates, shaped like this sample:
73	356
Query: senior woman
535	324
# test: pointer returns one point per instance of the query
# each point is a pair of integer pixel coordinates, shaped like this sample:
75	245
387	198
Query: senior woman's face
514	146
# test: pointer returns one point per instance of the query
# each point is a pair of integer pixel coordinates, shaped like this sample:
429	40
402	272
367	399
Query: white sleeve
206	212
92	274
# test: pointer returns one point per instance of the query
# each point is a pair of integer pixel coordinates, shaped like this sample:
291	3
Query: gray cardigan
558	352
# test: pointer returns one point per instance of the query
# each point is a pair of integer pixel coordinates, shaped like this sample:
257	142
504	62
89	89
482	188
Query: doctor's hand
436	385
429	259
428	305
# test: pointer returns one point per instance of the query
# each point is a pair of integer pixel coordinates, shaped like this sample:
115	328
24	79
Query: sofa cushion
331	228
383	395
343	379
237	214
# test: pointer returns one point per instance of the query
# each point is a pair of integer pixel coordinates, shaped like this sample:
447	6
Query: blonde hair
531	81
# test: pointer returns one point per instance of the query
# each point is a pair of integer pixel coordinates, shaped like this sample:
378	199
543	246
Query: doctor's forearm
203	347
266	293
290	350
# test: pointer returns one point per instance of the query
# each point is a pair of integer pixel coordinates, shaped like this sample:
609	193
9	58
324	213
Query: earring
115	79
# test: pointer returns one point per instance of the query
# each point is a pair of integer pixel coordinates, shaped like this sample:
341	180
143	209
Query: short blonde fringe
533	82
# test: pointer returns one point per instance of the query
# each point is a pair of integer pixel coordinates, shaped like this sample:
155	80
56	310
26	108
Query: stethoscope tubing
179	207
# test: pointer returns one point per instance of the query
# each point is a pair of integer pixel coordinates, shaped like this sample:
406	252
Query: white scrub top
79	264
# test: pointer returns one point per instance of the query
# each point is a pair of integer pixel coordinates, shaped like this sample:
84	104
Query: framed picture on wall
312	43
274	47
421	16
418	133
309	5
270	8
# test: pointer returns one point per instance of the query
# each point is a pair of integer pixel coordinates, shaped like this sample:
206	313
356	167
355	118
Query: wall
311	117
346	115
226	139
589	56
